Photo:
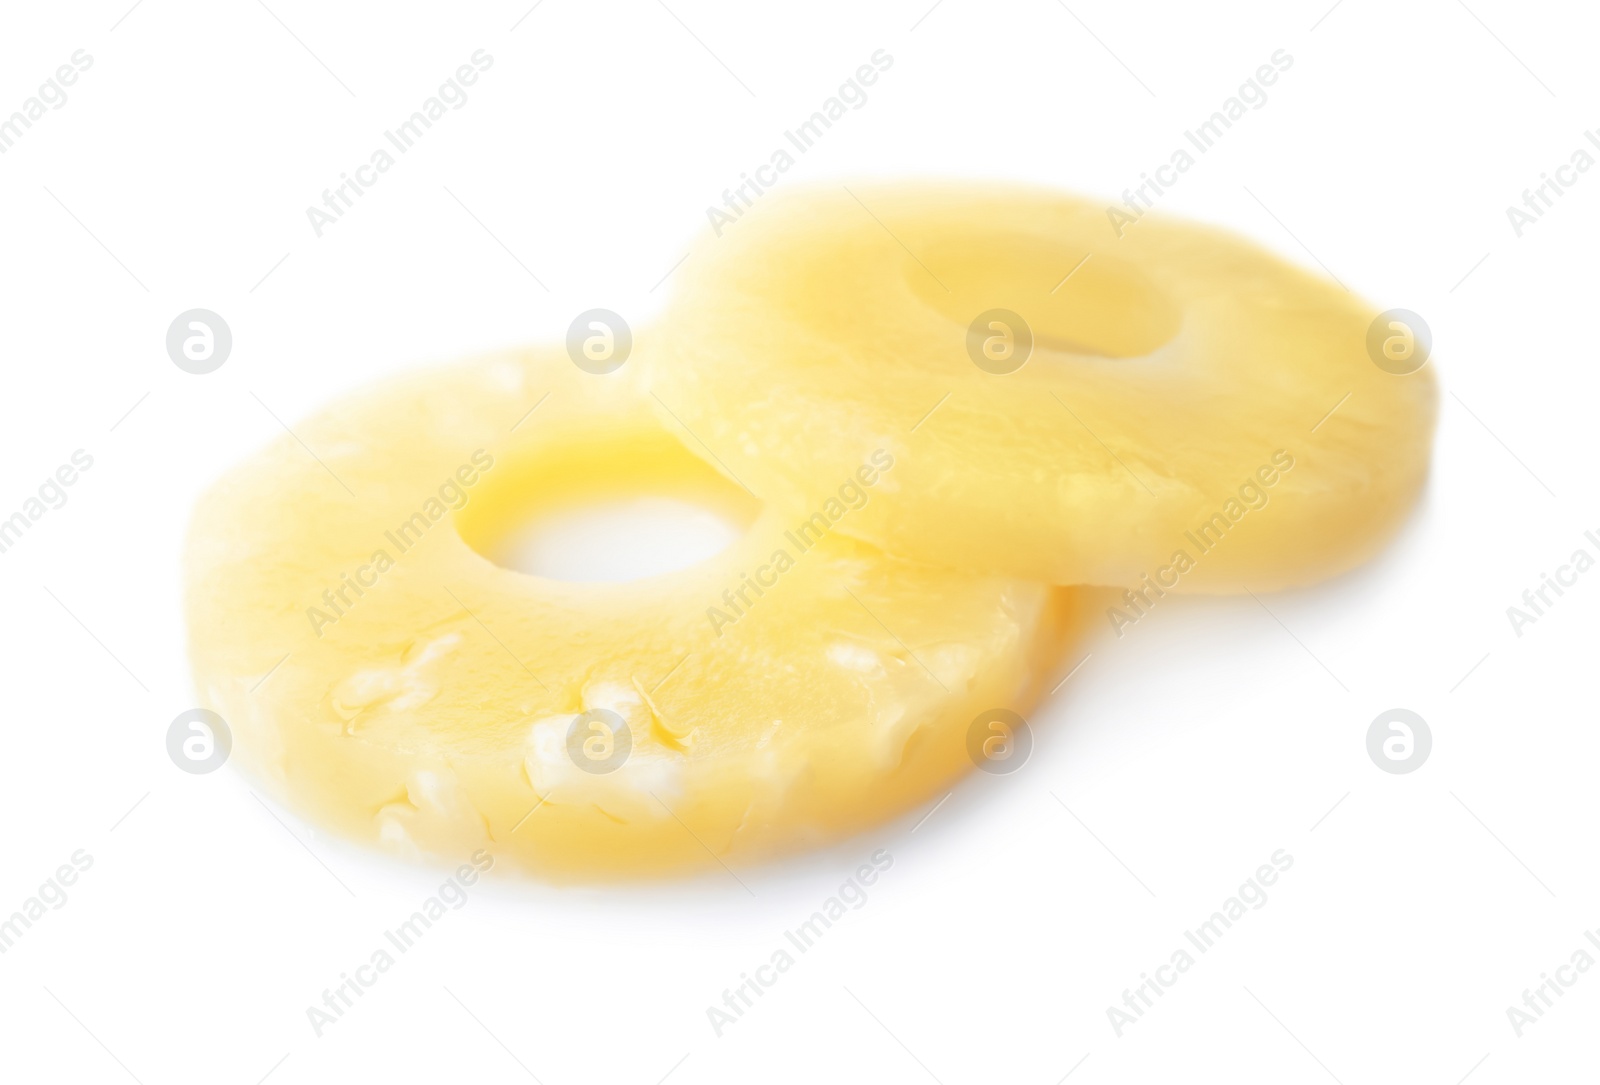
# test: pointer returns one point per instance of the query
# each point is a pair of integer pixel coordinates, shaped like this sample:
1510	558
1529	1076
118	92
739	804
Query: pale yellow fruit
1174	371
430	713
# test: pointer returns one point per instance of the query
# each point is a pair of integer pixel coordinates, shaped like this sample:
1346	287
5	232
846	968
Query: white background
1417	910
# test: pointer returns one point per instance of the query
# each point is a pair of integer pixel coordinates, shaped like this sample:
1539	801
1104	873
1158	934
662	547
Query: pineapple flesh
1174	404
793	689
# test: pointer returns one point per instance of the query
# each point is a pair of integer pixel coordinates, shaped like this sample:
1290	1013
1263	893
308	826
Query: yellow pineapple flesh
434	702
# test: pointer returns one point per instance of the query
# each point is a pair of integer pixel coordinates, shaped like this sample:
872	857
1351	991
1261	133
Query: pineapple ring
1146	403
434	702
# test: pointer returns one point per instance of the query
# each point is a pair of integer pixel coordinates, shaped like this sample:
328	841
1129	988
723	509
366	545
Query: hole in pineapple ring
1072	300
612	508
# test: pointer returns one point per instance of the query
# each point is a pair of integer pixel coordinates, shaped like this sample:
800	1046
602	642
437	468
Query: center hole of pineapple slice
625	507
1075	301
618	540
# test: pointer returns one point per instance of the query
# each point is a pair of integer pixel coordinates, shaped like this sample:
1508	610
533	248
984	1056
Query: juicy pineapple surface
426	695
1174	371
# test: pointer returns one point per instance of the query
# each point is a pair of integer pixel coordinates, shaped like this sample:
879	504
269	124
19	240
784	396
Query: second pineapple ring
1066	401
